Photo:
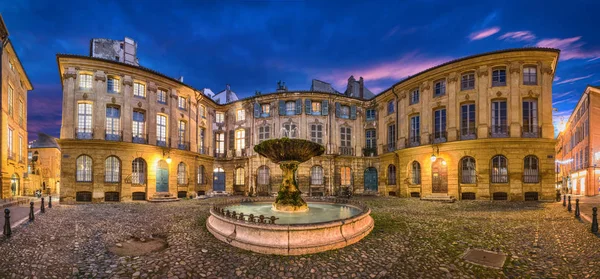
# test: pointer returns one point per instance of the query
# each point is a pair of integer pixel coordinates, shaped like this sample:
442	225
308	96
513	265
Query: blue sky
253	44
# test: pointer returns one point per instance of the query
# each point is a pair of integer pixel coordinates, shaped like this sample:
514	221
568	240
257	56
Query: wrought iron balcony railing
413	141
438	137
346	151
140	139
85	133
113	135
499	131
531	132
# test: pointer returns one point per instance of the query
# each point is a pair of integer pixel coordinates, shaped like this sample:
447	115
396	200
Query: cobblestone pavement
411	239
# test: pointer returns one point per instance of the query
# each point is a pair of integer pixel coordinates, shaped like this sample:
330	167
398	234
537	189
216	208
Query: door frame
439	167
375	180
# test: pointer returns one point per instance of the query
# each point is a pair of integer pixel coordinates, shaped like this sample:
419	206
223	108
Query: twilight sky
253	44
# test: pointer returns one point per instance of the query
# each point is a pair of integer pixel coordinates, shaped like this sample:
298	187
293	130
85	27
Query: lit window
239	176
468	175
161	130
182	103
113	118
10	100
315	108
530	75
265	110
138	175
219	117
112	168
84	168
202	111
112	85
139	125
467	81
85	81
182	144
84	121
345	176
316	175
161	96
241	115
499	171
220	139
139	90
290	108
240	139
182	174
201	141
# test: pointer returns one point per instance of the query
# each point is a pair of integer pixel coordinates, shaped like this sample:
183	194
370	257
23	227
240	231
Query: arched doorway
371	179
162	177
439	176
219	179
14	184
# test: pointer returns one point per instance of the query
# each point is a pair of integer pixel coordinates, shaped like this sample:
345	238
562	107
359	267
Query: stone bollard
31	215
564	200
43	210
558	195
568	206
49	201
576	208
594	220
7	230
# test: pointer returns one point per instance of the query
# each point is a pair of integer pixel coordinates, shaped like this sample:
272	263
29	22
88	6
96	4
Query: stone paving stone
411	239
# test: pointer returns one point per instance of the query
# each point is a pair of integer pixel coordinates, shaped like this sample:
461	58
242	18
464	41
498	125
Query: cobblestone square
411	239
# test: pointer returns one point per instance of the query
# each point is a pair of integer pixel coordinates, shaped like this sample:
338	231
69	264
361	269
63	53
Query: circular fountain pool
317	213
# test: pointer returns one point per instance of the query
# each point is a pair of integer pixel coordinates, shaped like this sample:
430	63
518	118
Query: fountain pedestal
289	196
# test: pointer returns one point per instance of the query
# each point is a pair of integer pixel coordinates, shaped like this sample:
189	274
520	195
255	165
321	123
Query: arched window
201	178
316	175
467	170
416	173
182	174
138	174
239	176
112	168
499	170
391	175
531	170
84	168
345	176
263	175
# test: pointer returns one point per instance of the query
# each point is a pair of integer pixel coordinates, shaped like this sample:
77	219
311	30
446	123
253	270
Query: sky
253	44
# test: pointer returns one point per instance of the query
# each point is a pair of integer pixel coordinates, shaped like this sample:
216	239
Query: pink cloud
518	36
570	48
556	78
482	34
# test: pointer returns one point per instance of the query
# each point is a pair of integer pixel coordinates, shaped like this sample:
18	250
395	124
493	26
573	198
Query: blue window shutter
353	112
256	110
299	106
338	109
324	107
281	107
308	106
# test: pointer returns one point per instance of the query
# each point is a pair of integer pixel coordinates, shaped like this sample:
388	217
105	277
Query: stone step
439	198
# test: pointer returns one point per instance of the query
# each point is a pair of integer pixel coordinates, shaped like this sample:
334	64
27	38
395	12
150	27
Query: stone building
13	129
474	128
578	147
43	171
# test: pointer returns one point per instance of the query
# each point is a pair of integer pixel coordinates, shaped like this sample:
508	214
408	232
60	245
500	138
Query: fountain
289	225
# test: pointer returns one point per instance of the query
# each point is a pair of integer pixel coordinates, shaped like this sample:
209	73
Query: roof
45	141
319	85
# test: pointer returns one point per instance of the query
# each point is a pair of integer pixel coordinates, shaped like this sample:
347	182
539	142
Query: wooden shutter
337	178
256	110
338	109
353	112
247	135
231	140
281	107
298	106
324	107
308	106
214	142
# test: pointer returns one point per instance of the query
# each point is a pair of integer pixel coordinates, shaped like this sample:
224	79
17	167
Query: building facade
578	147
43	170
13	128
474	128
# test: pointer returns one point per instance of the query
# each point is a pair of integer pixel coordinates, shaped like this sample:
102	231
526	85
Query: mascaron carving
453	77
547	70
515	68
425	86
467	97
152	87
85	96
100	75
127	80
482	72
139	104
162	110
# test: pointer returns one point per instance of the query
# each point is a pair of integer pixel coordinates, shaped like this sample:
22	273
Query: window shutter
338	109
256	110
215	142
337	178
308	106
231	140
247	135
353	112
324	107
281	107
299	106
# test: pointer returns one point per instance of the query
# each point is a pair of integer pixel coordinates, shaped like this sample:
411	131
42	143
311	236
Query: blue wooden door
219	180
162	177
371	179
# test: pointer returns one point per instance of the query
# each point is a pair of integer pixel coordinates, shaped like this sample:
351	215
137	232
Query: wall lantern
168	157
436	152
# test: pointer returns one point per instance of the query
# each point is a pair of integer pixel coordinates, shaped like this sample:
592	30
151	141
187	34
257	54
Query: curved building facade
474	128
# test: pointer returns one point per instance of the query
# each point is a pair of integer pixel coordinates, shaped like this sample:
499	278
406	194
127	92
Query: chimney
228	87
181	79
361	88
350	87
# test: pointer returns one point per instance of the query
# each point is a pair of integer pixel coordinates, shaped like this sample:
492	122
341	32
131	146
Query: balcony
499	131
11	155
346	151
531	132
203	150
140	139
390	147
163	142
438	137
183	145
113	135
220	153
85	133
370	151
468	133
413	141
239	153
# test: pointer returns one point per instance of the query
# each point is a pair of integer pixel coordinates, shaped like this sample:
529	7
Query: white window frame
85	81
139	90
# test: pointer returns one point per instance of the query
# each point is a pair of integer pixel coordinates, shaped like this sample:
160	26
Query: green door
162	177
371	179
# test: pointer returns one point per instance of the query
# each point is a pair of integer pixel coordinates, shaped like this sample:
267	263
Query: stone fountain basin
290	239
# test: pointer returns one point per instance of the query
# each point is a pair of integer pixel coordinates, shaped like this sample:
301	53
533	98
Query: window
345	176
315	108
240	139
21	112
391	137
182	144
161	130
85	81
370	135
113	119
290	130
138	127
316	133
202	111
264	133
316	175
112	168
530	125
416	173
21	149
391	175
220	146
467	171
414	96
241	115
139	90
345	136
439	88
439	125
181	103
161	96
84	168
530	75
138	172
414	133
201	179
239	176
290	108
370	114
201	141
10	100
499	124
499	170
112	85
182	174
263	176
11	153
499	77
531	170
265	110
344	112
390	107
467	81
11	66
467	121
84	121
219	117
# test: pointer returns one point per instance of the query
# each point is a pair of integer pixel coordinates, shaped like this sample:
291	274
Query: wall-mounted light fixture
436	152
168	157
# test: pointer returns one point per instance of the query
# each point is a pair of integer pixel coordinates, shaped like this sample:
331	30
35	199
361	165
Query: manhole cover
485	258
139	246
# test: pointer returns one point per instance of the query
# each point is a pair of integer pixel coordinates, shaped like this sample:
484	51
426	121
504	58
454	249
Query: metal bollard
49	201
568	206
31	215
576	208
7	230
43	210
595	220
558	195
564	200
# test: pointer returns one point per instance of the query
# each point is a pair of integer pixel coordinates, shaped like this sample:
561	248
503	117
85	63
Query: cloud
556	78
482	34
564	101
560	95
570	48
573	79
518	36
